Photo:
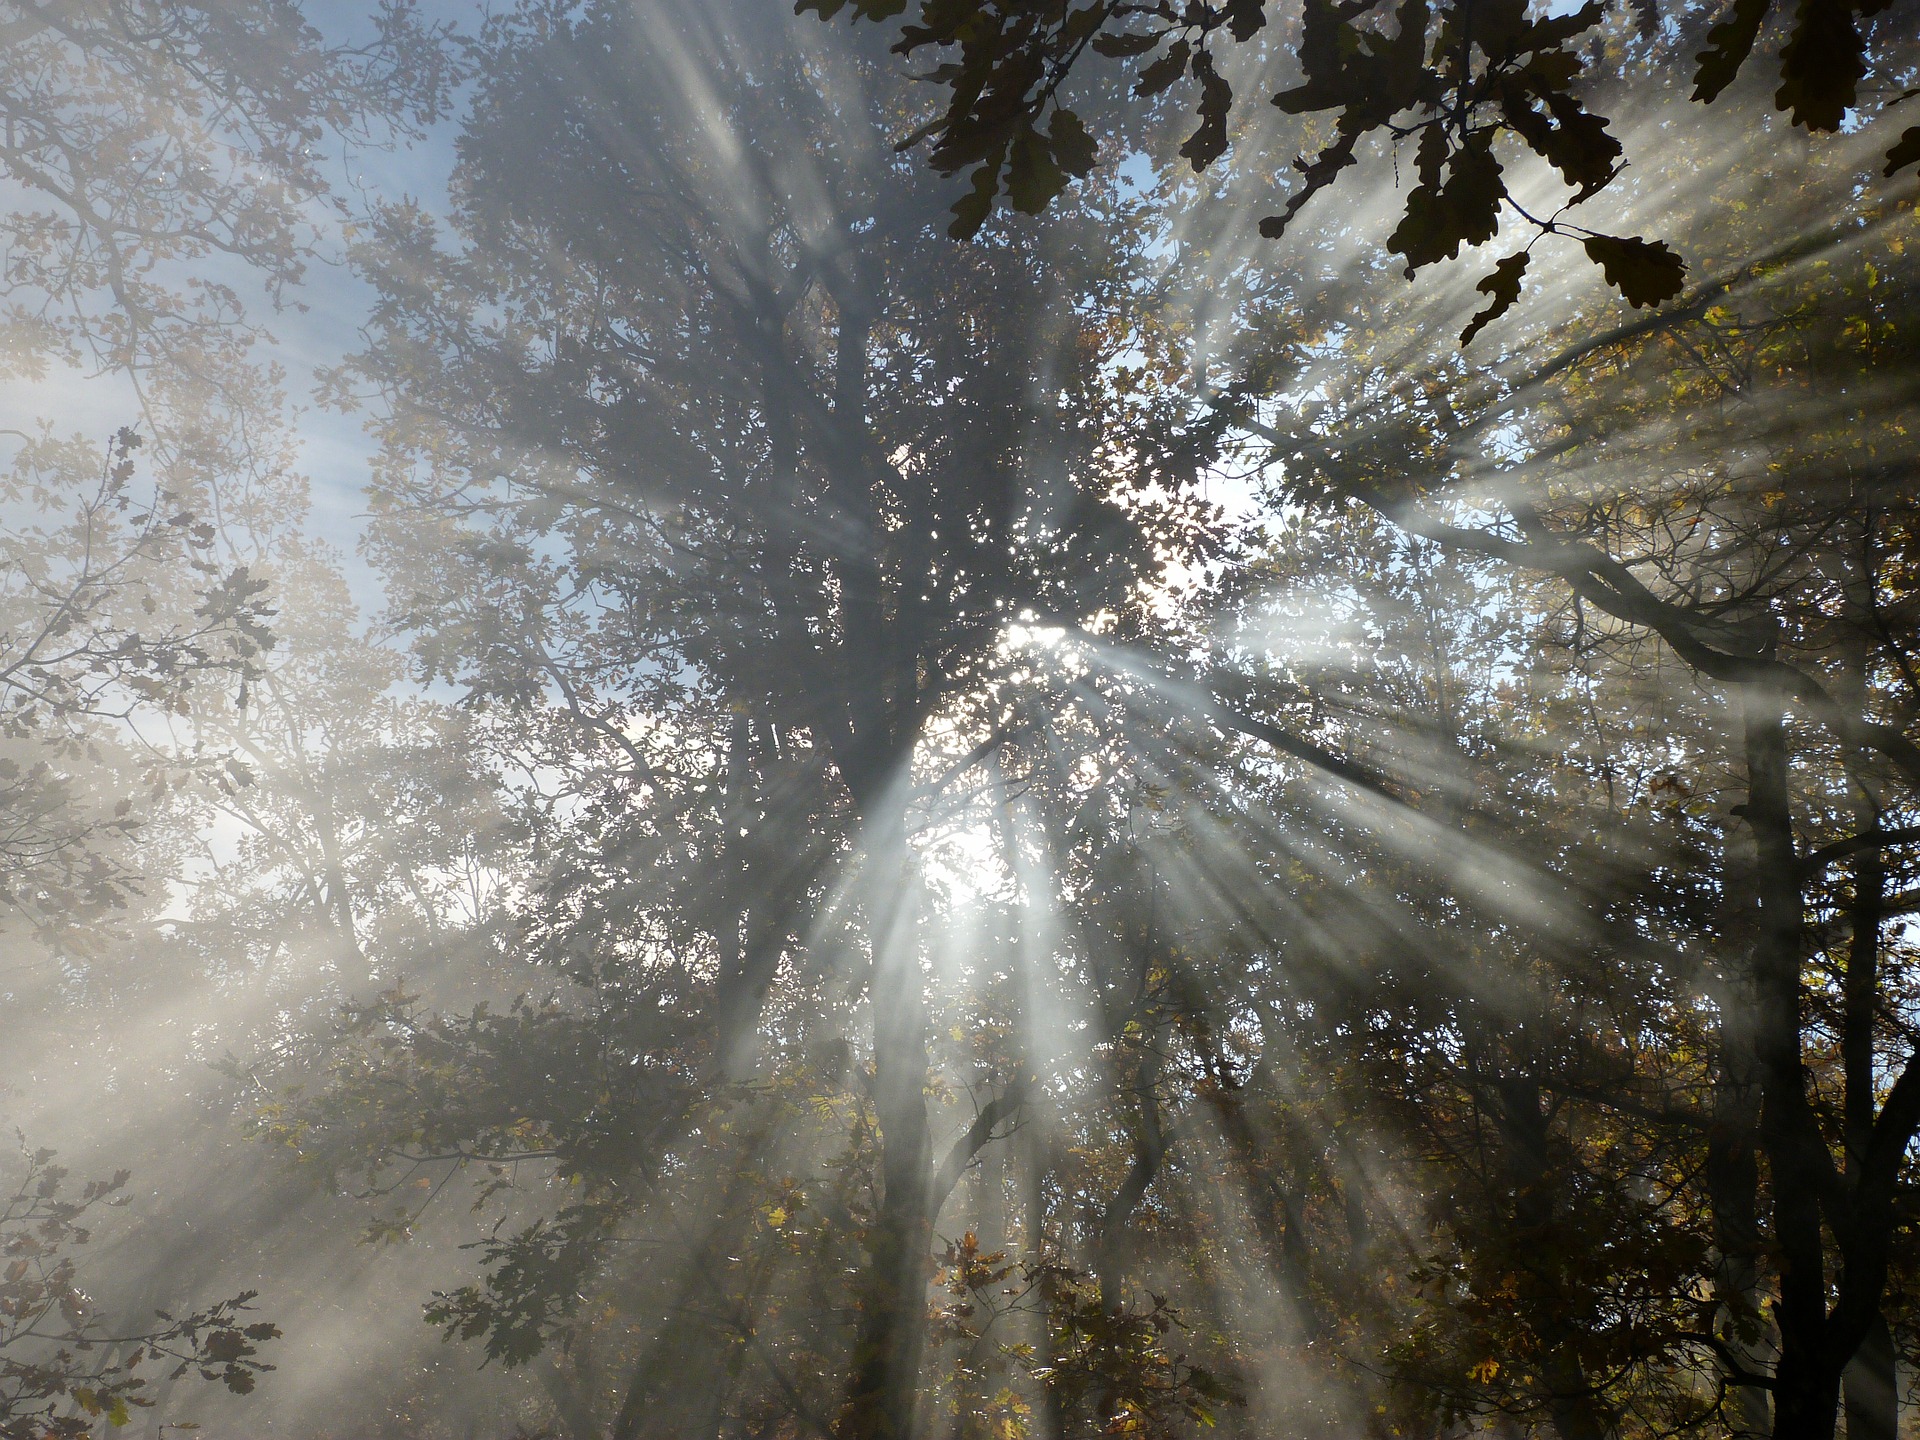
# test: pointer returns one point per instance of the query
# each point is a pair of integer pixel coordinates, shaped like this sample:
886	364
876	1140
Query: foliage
111	266
61	1367
1425	953
1463	79
112	605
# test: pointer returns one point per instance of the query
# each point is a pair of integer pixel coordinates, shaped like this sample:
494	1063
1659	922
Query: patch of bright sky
320	323
318	326
335	450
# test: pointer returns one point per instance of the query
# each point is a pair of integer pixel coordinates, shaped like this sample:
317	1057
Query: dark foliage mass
1456	79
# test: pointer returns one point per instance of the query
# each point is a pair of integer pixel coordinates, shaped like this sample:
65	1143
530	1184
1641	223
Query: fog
708	729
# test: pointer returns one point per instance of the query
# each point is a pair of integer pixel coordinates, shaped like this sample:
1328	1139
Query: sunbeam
900	720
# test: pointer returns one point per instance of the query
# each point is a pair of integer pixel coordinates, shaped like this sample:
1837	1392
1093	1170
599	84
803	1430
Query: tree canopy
930	818
1464	81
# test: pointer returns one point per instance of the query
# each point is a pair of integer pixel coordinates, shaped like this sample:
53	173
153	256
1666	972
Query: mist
959	721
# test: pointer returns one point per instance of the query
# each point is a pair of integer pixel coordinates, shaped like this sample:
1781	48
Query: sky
1196	843
324	328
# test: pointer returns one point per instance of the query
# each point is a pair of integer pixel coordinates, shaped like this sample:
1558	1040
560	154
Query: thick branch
947	1176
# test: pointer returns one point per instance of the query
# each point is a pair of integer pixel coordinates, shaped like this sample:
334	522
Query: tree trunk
1733	1181
1577	1411
1871	1387
1150	1149
1732	1172
1050	1414
571	1405
1806	1394
1275	1205
892	1332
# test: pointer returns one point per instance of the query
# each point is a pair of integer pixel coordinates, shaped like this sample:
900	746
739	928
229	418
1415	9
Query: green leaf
1646	272
1430	155
1073	147
970	211
1119	44
1319	172
1245	17
1082	23
1503	286
875	10
1579	146
1033	176
1465	210
1498	27
1326	38
1553	30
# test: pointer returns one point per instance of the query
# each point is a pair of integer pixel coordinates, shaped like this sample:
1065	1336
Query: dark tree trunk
1276	1207
1575	1407
1732	1172
1150	1149
663	1356
1806	1381
1733	1189
1050	1413
571	1404
1871	1387
1824	1323
892	1330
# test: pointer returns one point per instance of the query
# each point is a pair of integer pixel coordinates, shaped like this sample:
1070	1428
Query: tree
928	878
743	467
159	157
111	605
1690	548
1465	82
110	269
1745	555
1678	533
60	1369
114	267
